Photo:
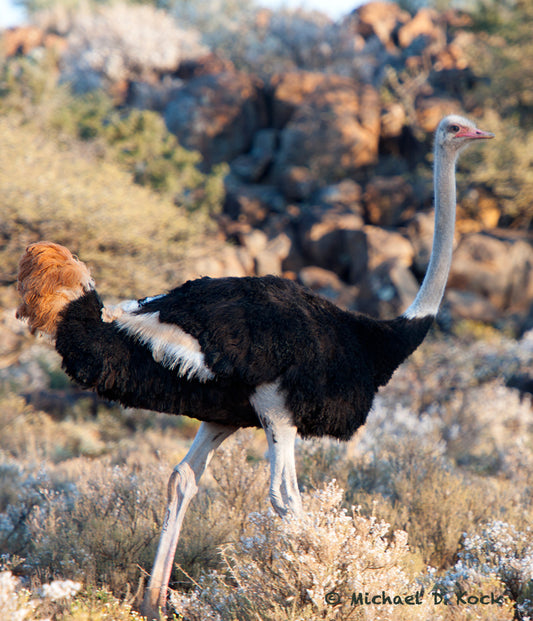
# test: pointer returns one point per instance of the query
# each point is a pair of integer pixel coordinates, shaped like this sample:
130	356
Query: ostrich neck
429	297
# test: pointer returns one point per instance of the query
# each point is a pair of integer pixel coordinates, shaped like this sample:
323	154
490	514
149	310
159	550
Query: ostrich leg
284	492
182	486
269	403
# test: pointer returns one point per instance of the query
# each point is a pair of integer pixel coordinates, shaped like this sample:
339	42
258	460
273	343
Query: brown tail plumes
49	278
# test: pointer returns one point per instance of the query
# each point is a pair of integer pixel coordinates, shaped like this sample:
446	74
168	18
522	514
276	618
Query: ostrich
237	352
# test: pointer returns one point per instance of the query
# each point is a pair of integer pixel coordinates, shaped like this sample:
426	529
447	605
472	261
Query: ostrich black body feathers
252	331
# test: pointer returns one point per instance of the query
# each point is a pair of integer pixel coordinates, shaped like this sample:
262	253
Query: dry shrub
99	529
25	432
55	192
123	42
283	569
241	475
319	460
464	599
492	431
435	466
70	516
401	467
447	445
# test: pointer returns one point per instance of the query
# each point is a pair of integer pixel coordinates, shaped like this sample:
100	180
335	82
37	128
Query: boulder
329	285
389	286
478	211
298	183
520	259
254	240
380	19
453	56
525	327
423	24
155	95
388	200
430	110
209	64
268	254
393	120
388	289
21	40
251	203
217	115
221	261
469	305
336	243
420	234
386	246
252	166
499	270
334	133
270	259
290	90
344	196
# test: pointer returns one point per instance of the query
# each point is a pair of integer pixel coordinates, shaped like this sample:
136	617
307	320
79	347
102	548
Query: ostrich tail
49	278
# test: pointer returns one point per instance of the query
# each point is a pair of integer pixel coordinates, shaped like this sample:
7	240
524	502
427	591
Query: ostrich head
49	278
454	133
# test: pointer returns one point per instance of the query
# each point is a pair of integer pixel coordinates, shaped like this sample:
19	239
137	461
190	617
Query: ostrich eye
454	128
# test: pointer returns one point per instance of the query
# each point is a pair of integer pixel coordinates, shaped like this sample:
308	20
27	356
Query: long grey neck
430	295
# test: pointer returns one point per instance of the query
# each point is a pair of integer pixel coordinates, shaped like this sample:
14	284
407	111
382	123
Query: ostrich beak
467	132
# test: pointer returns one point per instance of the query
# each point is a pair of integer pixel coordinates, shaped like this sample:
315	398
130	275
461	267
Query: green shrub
133	240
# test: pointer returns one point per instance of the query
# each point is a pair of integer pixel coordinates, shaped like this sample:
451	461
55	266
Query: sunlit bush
306	568
125	41
133	239
95	520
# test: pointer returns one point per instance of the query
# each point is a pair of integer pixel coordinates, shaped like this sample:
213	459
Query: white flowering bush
61	600
502	552
15	603
285	40
60	589
212	16
313	567
124	41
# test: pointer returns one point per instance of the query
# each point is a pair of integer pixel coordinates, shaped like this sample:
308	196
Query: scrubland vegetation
434	493
433	498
